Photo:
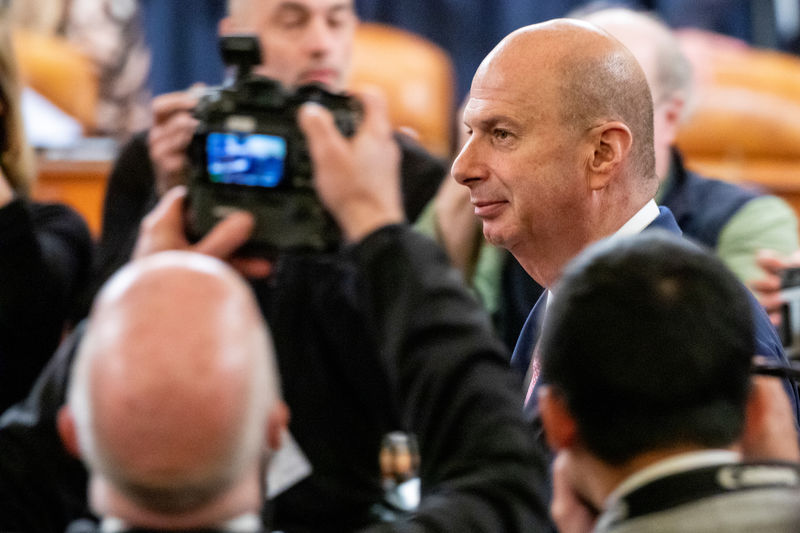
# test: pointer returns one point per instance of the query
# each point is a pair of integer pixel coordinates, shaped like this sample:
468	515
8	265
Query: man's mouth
490	208
325	76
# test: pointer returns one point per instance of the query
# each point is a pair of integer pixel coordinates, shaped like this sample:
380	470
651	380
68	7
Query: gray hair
673	69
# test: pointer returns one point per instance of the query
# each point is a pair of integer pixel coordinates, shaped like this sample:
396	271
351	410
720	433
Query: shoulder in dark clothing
45	258
702	206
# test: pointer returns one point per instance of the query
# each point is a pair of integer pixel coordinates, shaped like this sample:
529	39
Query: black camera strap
693	485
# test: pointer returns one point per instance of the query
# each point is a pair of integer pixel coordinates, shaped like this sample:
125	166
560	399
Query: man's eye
501	135
340	17
337	21
290	23
291	19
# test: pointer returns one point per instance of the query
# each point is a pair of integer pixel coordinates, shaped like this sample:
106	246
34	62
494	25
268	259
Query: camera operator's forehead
274	8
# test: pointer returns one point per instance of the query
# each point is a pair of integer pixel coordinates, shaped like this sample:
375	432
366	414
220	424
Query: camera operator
303	41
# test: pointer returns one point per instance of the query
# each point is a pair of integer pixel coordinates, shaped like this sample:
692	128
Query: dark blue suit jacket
768	344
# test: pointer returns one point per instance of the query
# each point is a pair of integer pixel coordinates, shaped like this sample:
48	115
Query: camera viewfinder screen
256	160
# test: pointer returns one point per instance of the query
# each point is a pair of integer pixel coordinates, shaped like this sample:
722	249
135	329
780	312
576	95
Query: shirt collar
246	523
643	217
671	465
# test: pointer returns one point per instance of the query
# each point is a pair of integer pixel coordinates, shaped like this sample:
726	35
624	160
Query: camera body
790	312
248	153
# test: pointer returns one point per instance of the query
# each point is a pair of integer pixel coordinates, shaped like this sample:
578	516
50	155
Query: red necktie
533	372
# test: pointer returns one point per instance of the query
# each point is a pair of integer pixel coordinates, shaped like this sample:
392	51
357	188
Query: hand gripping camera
248	153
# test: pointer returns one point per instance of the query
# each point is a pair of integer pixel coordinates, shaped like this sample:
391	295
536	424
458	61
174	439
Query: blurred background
92	66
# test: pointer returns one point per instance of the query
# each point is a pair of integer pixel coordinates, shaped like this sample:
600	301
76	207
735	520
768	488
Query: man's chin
493	236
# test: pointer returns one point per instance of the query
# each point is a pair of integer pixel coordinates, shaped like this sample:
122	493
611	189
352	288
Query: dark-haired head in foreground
647	351
649	340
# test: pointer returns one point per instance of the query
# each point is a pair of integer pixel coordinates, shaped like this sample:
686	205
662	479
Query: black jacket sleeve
480	467
130	194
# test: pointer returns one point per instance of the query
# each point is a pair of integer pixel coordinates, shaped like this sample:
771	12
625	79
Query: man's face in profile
520	160
303	41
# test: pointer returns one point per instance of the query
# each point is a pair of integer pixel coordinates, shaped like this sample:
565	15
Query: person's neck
545	259
241	499
544	262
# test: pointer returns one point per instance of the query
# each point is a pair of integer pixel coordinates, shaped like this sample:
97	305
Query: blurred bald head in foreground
174	398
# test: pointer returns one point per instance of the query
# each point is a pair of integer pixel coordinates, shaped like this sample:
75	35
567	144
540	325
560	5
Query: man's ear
673	111
277	422
65	423
768	431
559	426
611	144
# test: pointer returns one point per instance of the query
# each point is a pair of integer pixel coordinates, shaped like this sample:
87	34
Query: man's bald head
590	77
560	148
174	384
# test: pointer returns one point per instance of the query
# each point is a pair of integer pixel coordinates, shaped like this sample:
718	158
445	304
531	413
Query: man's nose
319	36
468	166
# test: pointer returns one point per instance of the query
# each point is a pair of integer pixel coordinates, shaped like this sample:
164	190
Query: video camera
248	153
789	329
